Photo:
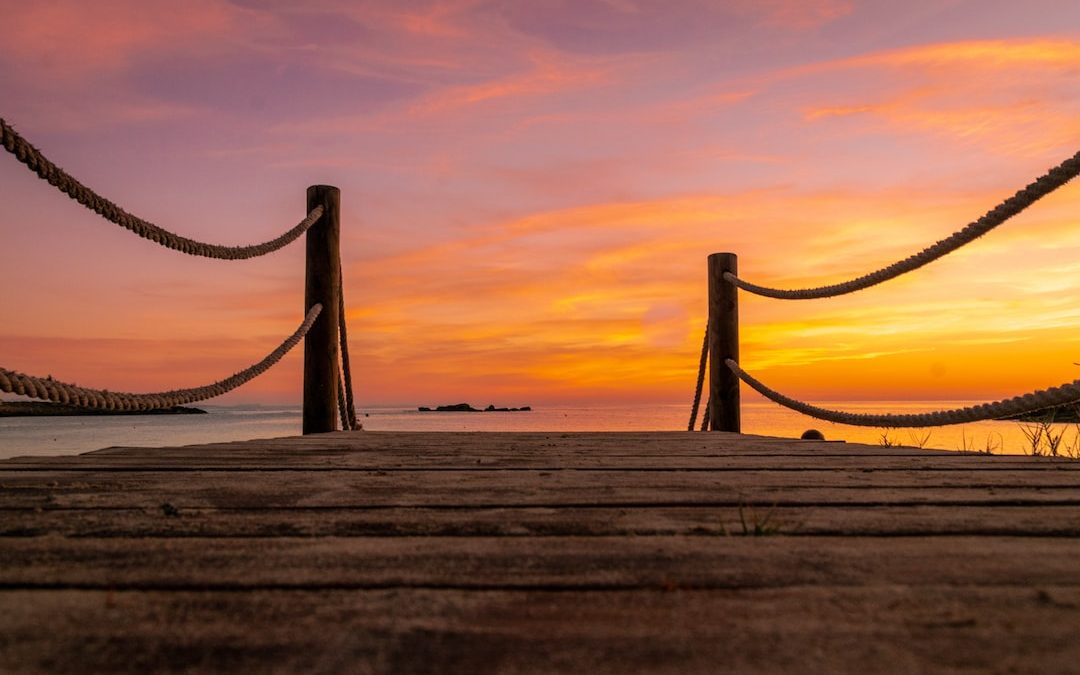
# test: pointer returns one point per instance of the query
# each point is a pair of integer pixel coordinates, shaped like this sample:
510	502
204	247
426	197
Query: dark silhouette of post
723	343
323	279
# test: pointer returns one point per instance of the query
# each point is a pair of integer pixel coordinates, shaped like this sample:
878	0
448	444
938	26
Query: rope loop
1018	405
49	389
61	180
1044	185
345	388
700	379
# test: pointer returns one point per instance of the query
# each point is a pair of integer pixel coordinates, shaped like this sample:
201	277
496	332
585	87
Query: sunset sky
530	189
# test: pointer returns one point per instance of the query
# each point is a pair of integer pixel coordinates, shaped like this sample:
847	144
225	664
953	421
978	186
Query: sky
530	190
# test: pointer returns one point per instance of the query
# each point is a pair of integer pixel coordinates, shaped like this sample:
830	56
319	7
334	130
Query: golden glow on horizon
530	198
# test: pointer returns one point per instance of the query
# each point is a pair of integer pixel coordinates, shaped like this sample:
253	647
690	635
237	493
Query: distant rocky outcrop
465	407
43	409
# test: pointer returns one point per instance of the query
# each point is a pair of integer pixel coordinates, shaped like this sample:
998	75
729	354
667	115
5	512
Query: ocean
41	436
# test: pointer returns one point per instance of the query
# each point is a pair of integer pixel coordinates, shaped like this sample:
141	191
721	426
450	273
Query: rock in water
465	407
457	407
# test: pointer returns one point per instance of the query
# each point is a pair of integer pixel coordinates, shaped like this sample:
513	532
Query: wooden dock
371	552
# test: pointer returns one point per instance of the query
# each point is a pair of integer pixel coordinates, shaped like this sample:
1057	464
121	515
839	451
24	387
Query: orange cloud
980	54
1012	97
610	297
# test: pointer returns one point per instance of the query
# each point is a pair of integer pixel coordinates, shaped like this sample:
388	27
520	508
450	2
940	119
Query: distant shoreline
465	407
39	409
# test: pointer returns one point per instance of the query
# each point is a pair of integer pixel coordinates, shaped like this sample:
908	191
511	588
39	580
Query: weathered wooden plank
447	497
993	520
639	443
249	460
534	450
554	478
473	488
894	629
530	562
270	556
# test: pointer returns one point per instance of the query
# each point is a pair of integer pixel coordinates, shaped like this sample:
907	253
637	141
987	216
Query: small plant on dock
919	440
1072	448
1047	438
989	447
755	526
1042	438
916	439
1033	433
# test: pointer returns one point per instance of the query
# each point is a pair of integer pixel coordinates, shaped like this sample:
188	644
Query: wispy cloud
67	39
1011	97
547	74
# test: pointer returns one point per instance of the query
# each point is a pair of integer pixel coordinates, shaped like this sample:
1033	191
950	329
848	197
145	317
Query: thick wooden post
723	344
323	279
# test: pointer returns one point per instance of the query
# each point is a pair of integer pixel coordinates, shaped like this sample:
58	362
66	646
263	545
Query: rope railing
700	380
1042	399
1044	185
64	182
49	389
722	356
345	388
325	342
343	413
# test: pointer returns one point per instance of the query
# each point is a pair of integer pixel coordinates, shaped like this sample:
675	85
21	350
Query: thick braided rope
61	180
50	390
346	370
1052	180
1018	405
342	412
700	380
705	415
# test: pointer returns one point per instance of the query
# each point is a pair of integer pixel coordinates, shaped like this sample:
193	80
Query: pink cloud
68	38
798	15
1011	97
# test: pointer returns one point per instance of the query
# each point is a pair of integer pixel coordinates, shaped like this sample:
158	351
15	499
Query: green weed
754	525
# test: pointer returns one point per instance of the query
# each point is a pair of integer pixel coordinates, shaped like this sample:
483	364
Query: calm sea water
72	435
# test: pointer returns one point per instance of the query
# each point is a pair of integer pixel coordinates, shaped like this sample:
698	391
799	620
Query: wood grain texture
723	341
538	553
322	285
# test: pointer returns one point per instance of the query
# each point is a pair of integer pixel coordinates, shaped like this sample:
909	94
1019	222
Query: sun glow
529	197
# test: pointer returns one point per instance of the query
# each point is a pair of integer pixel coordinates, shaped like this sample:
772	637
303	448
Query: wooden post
723	344
323	279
